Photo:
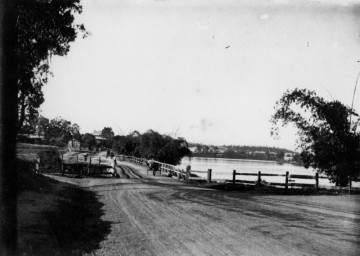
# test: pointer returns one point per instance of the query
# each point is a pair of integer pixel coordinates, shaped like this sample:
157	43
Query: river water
222	169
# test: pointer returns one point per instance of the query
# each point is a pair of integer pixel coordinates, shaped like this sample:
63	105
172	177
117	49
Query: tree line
150	144
242	152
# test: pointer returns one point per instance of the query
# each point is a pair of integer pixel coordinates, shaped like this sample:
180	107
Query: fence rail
87	165
171	170
289	179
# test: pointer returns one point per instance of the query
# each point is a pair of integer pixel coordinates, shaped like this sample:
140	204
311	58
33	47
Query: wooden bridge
88	165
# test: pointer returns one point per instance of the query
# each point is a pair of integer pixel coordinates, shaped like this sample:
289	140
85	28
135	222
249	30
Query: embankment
55	218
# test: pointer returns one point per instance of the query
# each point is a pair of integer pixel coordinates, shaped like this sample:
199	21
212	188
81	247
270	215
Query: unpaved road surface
163	216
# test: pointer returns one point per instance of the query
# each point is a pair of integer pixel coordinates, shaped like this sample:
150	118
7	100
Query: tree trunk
22	112
8	124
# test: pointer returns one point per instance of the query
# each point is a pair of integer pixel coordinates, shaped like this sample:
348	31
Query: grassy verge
276	190
55	218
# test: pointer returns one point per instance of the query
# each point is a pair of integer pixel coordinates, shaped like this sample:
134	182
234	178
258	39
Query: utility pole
352	103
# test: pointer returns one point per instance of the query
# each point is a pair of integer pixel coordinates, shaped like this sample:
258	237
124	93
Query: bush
50	159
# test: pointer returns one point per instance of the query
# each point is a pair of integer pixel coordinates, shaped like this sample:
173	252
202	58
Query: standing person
37	165
188	171
155	167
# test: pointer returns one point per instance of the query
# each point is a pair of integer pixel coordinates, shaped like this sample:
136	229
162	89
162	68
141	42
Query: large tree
152	144
89	140
59	131
44	28
329	141
107	133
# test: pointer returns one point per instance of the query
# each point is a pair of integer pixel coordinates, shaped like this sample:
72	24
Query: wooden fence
171	170
289	179
87	165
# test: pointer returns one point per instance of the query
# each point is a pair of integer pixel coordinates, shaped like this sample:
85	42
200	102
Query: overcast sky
206	70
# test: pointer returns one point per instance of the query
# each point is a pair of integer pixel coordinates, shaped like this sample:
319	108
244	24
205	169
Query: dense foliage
151	144
57	131
44	28
329	141
88	140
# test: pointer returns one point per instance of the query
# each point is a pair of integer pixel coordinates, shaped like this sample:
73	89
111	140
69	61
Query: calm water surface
222	169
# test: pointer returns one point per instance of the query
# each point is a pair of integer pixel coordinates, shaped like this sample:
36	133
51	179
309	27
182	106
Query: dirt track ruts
162	216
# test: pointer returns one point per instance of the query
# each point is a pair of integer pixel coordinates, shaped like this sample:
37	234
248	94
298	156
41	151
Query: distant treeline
243	152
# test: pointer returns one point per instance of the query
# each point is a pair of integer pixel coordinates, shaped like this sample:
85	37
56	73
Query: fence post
350	181
89	168
62	167
287	180
99	159
259	178
234	174
37	165
115	163
316	181
188	175
209	175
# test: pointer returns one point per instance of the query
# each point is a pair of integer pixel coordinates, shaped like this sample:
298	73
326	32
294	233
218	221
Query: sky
206	70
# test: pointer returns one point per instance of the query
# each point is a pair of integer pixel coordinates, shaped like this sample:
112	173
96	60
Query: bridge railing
163	167
91	160
290	180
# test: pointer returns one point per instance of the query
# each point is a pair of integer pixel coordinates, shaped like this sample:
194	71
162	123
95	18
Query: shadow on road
77	222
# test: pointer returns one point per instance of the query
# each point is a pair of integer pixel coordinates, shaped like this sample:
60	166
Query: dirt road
162	216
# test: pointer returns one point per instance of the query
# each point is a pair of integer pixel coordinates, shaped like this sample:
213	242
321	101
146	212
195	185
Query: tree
44	28
154	145
60	131
8	129
329	142
107	133
40	125
89	140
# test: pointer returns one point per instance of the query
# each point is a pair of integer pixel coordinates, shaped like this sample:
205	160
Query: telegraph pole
352	103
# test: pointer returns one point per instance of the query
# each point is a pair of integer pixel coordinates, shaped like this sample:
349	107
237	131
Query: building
222	149
289	156
193	149
98	136
73	145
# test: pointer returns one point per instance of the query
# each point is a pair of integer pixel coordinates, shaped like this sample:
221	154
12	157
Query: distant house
289	156
193	149
213	149
98	136
32	136
222	150
73	145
